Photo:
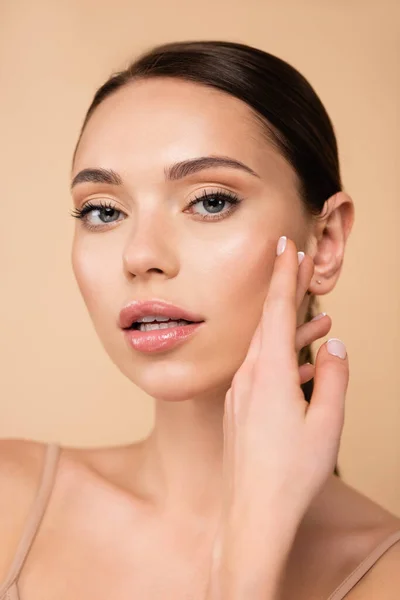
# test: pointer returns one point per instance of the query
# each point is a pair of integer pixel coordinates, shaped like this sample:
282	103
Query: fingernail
318	316
281	245
336	347
300	256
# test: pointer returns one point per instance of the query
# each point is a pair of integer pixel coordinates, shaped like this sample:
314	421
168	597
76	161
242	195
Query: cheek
93	274
238	281
241	277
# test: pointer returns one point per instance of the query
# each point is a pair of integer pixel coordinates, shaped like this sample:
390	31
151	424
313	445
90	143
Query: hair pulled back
282	101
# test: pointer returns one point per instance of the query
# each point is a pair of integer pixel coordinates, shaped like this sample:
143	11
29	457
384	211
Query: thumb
325	413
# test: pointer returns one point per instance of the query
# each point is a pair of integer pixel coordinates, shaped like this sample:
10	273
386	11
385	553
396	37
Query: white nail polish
300	257
318	316
336	347
281	245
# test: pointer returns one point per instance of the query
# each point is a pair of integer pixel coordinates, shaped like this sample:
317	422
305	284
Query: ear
328	240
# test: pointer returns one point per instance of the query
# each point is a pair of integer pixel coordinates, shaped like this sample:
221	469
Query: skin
270	482
130	499
219	269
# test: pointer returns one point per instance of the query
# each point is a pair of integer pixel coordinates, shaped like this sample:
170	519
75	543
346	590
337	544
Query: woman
192	165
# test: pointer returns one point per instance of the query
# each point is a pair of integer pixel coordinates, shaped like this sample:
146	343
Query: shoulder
21	464
342	534
382	580
369	525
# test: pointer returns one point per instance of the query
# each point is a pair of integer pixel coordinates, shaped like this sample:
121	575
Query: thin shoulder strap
35	515
364	566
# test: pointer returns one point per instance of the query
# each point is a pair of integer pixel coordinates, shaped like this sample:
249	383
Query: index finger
254	347
279	319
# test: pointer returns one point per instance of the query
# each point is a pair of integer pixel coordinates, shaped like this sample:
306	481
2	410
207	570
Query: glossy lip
160	340
138	308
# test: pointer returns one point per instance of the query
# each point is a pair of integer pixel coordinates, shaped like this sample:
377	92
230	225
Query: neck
179	467
181	459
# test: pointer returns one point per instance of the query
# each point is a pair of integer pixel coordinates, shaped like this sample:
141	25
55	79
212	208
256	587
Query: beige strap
39	507
35	516
364	566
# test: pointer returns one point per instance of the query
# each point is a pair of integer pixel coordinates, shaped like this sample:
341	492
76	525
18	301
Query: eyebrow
174	172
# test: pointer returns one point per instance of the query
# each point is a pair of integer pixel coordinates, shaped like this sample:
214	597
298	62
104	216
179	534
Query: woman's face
153	245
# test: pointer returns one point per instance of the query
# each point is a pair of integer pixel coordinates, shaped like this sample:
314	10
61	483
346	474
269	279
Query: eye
105	209
215	202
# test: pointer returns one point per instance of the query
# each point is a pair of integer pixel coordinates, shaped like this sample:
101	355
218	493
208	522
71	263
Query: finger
255	344
306	372
306	334
254	348
228	446
279	318
305	274
325	414
231	447
309	332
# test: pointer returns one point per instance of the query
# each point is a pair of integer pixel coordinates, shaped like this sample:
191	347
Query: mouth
156	325
154	337
150	314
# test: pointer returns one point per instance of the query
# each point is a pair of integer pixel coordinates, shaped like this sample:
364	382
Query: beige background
57	383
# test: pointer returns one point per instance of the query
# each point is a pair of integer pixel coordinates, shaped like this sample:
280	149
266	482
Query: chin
182	390
177	383
199	374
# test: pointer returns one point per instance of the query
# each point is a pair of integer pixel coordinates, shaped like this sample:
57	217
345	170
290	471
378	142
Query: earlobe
309	292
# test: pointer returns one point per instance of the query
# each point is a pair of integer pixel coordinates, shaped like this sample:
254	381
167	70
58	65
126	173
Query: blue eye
104	209
214	201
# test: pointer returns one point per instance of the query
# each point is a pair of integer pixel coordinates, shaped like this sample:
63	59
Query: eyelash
227	196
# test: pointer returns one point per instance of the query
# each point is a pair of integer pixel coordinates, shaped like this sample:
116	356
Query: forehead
148	124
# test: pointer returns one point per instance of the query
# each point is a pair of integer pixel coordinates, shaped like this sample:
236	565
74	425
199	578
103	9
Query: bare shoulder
342	530
368	524
353	509
364	523
21	464
382	580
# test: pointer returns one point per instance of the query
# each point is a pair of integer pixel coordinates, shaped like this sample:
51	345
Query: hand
278	450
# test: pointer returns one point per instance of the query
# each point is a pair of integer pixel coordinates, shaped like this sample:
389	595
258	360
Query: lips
137	309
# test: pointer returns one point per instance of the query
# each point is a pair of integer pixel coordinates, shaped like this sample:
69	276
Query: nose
151	248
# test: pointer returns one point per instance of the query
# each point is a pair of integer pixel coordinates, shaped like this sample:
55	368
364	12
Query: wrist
243	584
253	556
258	530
